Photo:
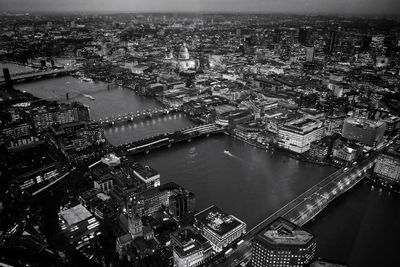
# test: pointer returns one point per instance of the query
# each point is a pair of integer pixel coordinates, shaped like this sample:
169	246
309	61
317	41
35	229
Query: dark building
7	78
304	36
367	132
181	204
283	243
332	41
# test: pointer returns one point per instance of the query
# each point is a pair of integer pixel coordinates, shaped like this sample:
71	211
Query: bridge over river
132	116
167	139
36	75
307	205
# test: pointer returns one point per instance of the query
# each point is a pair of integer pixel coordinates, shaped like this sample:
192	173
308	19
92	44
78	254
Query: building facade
298	135
364	131
283	244
218	227
387	166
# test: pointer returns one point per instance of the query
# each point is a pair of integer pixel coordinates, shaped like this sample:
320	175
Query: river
359	228
109	100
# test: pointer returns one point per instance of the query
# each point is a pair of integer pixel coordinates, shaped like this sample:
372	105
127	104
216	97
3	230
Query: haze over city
260	6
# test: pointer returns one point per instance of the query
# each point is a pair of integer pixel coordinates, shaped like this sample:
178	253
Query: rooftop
145	172
75	214
283	232
218	221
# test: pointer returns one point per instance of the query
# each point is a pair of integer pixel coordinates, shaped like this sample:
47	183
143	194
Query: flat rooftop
146	172
283	232
75	214
217	220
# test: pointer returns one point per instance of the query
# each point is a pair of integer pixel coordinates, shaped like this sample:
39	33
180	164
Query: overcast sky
260	6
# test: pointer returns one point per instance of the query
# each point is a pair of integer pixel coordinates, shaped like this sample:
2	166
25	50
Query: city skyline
345	7
199	139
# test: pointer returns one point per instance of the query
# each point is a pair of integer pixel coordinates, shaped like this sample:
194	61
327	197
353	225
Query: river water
359	228
109	100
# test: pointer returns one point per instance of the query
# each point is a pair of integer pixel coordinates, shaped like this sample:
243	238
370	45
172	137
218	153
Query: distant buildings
282	243
367	132
218	227
297	135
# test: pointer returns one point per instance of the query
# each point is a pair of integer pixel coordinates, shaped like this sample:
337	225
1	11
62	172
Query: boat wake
226	152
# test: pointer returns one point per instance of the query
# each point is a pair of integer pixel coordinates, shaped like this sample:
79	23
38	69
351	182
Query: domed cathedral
181	60
183	52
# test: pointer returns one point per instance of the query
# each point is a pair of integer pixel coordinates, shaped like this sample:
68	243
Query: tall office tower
181	204
7	78
276	36
332	41
283	244
310	54
304	35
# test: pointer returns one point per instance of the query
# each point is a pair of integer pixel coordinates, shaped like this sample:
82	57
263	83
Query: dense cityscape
198	139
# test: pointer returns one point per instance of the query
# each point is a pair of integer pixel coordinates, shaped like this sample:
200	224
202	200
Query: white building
219	228
297	135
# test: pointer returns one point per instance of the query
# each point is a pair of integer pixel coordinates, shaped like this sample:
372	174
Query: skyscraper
181	204
304	35
7	78
332	41
310	54
283	243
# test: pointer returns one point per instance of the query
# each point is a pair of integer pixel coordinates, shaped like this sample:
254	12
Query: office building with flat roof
79	225
190	248
368	132
283	243
297	135
218	227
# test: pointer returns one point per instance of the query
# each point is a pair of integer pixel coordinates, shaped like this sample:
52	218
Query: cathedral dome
183	52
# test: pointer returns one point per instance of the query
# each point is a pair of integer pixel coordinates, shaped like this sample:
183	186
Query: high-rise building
181	203
189	248
284	244
7	78
332	41
365	131
218	227
310	54
304	35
